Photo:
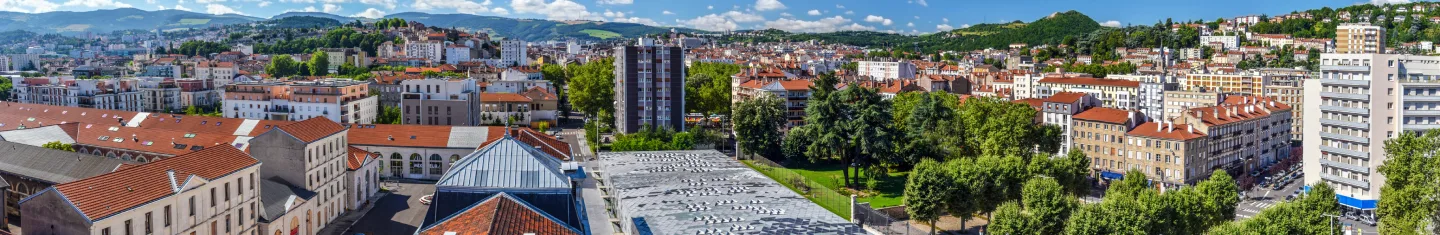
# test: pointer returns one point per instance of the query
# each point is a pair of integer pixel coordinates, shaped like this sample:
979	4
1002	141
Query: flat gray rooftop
706	192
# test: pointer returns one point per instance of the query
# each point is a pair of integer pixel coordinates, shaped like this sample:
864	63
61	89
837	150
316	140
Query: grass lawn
602	34
890	193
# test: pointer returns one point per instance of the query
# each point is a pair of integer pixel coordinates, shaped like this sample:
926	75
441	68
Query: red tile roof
399	135
312	129
499	215
796	84
104	195
1103	114
1065	97
158	141
1033	102
503	97
356	158
1172	132
1090	81
546	143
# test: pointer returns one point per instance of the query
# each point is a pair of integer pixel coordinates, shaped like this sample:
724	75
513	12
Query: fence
826	197
881	221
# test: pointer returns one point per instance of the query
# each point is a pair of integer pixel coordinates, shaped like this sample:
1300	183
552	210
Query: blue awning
1111	175
1349	201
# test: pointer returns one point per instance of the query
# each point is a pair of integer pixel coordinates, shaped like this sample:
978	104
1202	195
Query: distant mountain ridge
107	20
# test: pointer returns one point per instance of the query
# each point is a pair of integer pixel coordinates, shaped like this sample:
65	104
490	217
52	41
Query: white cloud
1111	23
911	24
182	8
666	12
160	7
965	26
461	6
813	12
743	17
370	13
710	7
263	4
823	25
877	19
786	14
922	3
331	8
208	1
612	14
615	2
849	12
944	27
1384	2
712	22
946	20
839	6
152	2
637	20
217	9
557	10
96	3
311	9
768	5
500	11
388	4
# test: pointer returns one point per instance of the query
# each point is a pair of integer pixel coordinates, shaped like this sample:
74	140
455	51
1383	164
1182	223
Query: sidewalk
341	226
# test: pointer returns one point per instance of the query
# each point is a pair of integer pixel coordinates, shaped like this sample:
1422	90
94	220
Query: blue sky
900	16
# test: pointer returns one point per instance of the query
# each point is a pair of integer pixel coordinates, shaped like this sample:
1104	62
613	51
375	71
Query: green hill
113	19
1048	30
533	29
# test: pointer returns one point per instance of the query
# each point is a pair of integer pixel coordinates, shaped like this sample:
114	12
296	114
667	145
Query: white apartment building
1359	101
158	94
217	71
512	53
1112	93
1230	42
1060	109
1351	38
440	102
456	53
887	70
211	191
112	93
429	49
343	101
304	177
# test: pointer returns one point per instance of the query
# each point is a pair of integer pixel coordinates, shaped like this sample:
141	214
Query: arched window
454	158
415	157
141	159
435	157
110	154
395	156
126	157
96	152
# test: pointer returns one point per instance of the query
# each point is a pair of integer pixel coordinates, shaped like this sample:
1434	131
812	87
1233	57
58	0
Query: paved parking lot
398	213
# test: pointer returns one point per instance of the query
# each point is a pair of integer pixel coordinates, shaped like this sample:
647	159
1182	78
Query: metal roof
505	164
702	192
467	136
38	136
51	165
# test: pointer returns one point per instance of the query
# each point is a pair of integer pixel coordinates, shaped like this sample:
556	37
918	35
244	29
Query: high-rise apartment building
512	53
342	101
1359	101
1352	38
450	102
649	86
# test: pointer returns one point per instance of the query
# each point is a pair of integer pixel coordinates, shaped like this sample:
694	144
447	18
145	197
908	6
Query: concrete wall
48	214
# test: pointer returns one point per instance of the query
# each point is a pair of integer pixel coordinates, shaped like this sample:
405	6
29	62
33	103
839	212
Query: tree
707	94
824	122
924	119
281	66
1048	204
757	125
1412	178
59	146
1220	196
871	135
925	192
1308	214
319	63
556	74
962	202
592	87
796	142
388	115
1070	171
1010	219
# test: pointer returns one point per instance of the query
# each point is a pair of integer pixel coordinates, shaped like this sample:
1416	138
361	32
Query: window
227	223
241	214
192	205
105	231
167	216
127	228
148	229
213	202
239	191
227	192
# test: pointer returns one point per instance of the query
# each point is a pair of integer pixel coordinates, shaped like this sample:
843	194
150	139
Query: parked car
1367	221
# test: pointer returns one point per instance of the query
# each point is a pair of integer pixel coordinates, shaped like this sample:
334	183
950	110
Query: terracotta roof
1090	81
796	84
158	141
546	143
1033	102
500	215
1066	97
503	97
105	195
399	135
12	122
541	93
312	129
356	158
1103	114
1173	132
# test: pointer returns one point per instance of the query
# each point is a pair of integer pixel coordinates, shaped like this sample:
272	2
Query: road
1258	199
398	213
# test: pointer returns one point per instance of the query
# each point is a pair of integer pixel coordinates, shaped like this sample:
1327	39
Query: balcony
1345	82
1361	97
1357	111
1418	82
1345	166
1346	152
1419	98
1421	112
1355	68
1357	125
1420	127
1350	138
1357	183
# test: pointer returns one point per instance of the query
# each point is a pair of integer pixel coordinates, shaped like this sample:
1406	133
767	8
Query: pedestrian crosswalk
1261	205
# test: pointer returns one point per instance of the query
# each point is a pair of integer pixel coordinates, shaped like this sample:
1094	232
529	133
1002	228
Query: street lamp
1332	222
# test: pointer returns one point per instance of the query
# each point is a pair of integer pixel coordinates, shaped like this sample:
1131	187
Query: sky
895	16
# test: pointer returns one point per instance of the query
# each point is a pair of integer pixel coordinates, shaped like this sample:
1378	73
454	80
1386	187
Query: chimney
1190	129
1158	125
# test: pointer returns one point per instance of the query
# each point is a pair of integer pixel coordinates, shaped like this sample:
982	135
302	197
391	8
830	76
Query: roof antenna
507	128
